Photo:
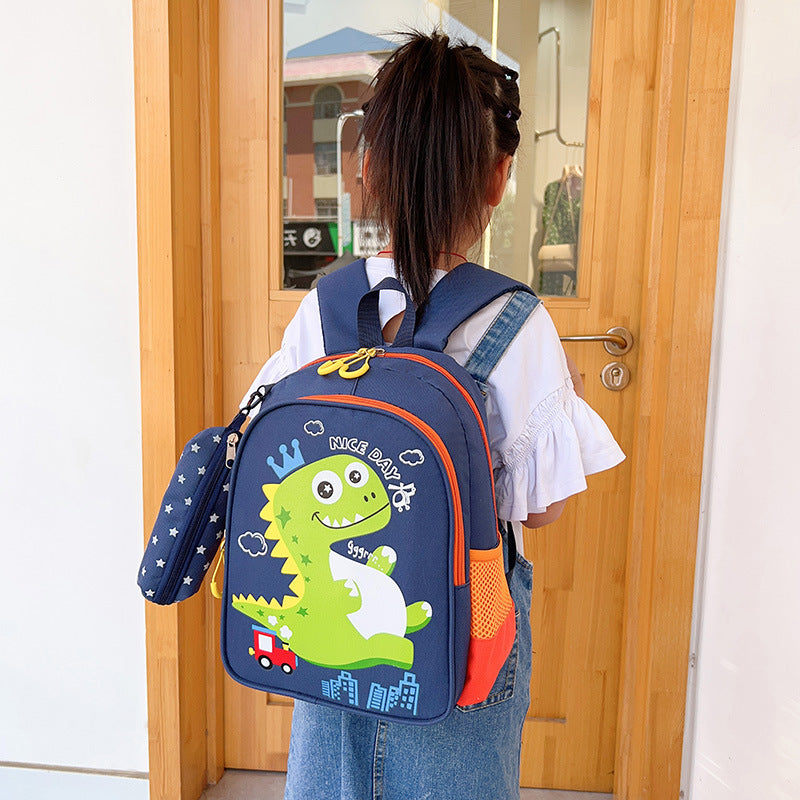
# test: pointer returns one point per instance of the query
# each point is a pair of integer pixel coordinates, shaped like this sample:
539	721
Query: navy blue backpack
364	565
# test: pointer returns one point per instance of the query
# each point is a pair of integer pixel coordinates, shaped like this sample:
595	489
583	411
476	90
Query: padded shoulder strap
463	291
339	294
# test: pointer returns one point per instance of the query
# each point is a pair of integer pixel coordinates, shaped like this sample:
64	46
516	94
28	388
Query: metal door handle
617	341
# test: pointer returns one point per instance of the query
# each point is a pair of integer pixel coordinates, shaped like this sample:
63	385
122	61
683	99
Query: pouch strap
216	589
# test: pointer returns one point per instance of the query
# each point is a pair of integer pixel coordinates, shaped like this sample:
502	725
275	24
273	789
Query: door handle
617	341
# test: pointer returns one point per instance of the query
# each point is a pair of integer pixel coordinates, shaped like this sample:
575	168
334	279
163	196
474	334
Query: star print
284	516
173	532
225	487
260	612
181	478
144	569
168	509
303	612
149	592
219	534
308	580
201	470
201	550
305	559
155	539
217	438
187	580
195	448
213	518
187	501
160	562
206	566
295	539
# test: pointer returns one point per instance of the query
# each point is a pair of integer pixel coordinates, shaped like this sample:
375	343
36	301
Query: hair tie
509	115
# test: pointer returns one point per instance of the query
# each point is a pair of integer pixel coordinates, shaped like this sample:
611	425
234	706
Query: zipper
464	392
442	371
459	566
189	538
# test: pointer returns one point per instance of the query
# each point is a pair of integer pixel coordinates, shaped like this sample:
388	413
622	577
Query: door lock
615	376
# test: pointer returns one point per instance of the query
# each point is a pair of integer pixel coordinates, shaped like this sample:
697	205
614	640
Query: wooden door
613	578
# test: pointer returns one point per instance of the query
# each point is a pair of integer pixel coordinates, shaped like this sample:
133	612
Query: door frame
197	239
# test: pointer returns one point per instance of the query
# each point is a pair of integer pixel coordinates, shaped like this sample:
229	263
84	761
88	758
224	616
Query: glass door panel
328	68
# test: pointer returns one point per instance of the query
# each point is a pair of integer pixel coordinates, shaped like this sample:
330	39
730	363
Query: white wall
746	740
72	672
72	676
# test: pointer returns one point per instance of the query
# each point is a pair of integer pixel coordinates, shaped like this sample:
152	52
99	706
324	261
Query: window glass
327	103
325	162
331	54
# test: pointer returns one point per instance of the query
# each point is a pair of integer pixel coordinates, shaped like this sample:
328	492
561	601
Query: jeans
472	755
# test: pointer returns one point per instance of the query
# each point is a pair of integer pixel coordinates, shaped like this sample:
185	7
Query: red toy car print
268	650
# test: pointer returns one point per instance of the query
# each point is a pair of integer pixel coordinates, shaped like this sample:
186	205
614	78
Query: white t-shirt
544	439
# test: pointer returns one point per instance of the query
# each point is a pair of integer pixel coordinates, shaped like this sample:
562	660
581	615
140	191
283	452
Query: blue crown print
289	462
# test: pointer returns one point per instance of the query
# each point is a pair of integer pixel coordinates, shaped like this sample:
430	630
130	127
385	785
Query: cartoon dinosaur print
345	614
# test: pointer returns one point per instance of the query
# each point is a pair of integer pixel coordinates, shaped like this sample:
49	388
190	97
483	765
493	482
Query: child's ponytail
440	118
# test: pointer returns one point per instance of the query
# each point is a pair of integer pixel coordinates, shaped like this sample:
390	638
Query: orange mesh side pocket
488	592
492	625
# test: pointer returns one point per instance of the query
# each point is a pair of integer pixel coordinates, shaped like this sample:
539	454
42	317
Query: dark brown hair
442	115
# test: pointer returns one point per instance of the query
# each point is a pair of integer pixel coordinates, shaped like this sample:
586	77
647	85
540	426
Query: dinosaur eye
356	474
327	486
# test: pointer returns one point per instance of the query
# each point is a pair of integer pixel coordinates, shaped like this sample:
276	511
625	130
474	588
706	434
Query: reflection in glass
328	68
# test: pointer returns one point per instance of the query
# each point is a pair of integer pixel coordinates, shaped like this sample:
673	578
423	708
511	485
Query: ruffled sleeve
545	439
563	440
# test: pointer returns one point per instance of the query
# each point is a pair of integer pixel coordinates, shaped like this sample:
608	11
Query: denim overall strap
339	295
458	295
500	334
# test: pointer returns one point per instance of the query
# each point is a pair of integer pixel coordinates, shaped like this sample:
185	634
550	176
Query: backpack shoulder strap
458	295
339	294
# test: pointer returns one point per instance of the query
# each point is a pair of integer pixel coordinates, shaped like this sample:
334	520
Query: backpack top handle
370	333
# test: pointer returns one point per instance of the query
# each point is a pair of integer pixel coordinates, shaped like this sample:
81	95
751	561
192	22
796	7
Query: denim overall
474	753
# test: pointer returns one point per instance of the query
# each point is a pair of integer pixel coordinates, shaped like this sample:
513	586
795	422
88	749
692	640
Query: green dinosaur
345	614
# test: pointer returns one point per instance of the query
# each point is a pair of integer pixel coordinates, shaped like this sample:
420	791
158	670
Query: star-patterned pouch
191	519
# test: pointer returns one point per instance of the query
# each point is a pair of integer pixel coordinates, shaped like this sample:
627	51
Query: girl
440	134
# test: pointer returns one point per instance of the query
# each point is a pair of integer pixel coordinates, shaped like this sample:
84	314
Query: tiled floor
243	785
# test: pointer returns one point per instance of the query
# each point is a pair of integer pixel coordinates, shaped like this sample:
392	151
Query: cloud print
412	457
254	544
314	427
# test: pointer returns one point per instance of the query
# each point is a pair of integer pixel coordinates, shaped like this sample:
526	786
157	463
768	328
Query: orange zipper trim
459	566
464	392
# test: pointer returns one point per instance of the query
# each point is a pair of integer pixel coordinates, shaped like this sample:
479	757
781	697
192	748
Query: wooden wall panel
247	226
257	725
676	333
171	330
216	413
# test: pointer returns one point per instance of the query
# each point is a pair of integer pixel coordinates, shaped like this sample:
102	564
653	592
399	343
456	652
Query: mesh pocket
491	601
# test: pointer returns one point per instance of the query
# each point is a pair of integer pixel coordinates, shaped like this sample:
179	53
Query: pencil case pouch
191	519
